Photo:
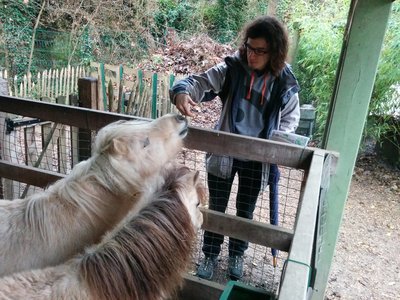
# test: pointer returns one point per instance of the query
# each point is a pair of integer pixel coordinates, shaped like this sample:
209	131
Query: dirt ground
367	261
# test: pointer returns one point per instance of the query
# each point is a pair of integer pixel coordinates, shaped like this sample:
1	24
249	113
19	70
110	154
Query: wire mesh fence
259	269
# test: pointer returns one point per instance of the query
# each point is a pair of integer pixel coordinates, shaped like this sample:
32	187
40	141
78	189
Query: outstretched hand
183	103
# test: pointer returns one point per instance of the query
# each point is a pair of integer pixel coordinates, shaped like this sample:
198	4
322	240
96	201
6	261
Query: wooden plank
195	288
296	278
249	230
262	150
198	138
30	175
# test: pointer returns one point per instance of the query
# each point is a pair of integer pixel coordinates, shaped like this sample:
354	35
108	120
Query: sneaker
206	268
235	267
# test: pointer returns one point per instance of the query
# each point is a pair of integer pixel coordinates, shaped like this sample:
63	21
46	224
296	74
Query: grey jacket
267	103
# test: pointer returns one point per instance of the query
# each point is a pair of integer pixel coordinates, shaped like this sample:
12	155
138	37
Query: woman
259	93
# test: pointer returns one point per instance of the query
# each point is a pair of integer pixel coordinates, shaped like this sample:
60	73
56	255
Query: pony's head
142	143
146	254
190	189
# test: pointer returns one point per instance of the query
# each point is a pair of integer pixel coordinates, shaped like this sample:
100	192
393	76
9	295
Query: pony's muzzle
182	119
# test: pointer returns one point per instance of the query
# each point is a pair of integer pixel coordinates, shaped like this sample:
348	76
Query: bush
317	58
180	15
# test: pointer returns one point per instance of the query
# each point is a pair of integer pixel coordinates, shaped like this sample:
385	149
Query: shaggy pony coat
50	227
144	257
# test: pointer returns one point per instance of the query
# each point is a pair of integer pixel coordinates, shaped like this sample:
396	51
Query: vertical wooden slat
25	85
103	86
56	91
121	105
100	102
44	83
154	96
110	96
29	82
39	85
48	85
16	86
130	109
67	85
72	86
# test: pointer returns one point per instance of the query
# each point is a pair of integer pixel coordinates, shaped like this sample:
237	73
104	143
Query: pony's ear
118	146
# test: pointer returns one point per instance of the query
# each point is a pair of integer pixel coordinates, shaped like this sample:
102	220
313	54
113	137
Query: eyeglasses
256	51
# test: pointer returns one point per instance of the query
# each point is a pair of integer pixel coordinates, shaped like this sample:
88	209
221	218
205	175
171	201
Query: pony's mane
145	258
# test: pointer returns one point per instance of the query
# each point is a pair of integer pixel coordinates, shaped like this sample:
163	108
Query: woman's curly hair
274	32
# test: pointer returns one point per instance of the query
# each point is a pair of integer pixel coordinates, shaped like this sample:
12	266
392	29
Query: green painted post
140	78
103	85
122	94
154	97
355	78
171	83
171	80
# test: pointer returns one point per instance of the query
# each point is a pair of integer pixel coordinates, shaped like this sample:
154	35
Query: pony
50	227
143	257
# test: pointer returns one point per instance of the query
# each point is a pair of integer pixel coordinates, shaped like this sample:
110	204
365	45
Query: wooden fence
298	242
48	84
120	89
133	91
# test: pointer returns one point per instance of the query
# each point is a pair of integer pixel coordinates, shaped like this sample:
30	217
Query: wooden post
8	188
355	78
3	91
87	91
272	5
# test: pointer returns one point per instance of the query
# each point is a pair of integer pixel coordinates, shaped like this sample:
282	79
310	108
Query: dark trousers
249	173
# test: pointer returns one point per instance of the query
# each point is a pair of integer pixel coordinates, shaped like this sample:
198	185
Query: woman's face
257	53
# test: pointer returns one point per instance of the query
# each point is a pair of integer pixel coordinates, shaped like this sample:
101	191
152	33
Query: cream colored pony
144	257
52	226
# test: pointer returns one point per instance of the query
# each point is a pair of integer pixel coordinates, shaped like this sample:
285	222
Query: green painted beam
355	78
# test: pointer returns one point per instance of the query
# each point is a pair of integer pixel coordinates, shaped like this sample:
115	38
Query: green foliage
385	100
388	73
180	15
317	58
16	34
321	28
224	19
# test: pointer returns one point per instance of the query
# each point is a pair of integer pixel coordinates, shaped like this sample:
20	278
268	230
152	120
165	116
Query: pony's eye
146	142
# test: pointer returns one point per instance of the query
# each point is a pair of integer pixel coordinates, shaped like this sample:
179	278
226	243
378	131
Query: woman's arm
290	114
201	87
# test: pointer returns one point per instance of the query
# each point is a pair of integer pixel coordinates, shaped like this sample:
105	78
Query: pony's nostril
180	118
